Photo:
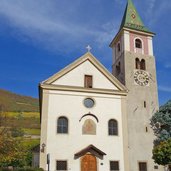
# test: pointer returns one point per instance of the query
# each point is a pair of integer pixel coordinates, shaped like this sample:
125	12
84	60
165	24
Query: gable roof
88	56
132	20
90	149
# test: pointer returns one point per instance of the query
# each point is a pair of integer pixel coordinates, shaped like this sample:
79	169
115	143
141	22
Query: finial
88	48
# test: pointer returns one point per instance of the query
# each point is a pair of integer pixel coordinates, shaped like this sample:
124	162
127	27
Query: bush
17	132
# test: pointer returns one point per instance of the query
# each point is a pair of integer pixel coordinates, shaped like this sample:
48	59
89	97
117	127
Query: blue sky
38	38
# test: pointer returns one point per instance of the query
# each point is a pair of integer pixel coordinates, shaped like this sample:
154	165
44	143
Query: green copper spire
131	18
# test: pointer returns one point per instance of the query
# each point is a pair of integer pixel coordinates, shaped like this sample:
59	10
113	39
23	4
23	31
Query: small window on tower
88	81
145	104
118	68
137	63
142	64
156	167
142	166
119	47
138	43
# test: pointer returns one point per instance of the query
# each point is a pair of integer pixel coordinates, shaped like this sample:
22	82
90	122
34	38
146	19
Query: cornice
83	90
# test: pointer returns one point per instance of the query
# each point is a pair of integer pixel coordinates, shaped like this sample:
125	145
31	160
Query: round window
88	102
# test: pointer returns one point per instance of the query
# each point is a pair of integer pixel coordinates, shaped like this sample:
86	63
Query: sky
39	38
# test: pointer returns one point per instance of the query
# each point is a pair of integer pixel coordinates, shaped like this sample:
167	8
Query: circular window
88	102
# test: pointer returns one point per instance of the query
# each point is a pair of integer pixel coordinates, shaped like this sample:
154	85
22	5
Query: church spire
131	18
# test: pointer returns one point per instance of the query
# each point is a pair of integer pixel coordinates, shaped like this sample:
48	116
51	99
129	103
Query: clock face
141	78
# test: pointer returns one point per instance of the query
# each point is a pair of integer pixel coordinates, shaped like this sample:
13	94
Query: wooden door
88	163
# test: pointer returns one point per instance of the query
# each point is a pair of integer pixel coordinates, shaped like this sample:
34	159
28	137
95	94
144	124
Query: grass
31	142
19	115
31	131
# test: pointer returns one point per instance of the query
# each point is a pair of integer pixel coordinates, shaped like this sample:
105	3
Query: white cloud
151	4
155	10
52	24
164	88
168	65
120	2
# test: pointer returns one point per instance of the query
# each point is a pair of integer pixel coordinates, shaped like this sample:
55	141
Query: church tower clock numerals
141	78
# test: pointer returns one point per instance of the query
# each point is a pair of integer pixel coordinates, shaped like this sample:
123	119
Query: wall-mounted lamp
43	147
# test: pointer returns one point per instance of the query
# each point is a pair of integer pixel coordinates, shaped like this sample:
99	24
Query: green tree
12	152
162	153
3	129
161	125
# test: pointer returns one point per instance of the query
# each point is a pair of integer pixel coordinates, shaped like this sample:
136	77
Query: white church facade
94	120
84	117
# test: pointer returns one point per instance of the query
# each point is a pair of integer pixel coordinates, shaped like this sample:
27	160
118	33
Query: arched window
143	67
113	127
138	43
137	63
62	125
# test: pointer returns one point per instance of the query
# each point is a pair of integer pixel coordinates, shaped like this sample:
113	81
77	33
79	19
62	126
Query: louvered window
88	81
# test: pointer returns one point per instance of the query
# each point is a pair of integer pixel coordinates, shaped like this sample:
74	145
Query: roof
132	20
88	56
90	149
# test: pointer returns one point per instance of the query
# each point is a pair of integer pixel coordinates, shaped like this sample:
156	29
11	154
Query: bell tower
134	66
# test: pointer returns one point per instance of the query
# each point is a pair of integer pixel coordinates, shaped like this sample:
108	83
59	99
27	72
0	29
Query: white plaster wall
126	41
63	147
76	77
150	46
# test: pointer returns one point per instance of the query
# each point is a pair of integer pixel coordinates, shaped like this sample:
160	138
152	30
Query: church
94	120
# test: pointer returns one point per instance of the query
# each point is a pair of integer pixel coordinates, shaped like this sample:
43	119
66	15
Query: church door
88	163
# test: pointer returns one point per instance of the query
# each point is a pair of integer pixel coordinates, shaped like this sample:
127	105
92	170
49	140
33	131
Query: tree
162	152
161	125
3	129
12	152
17	132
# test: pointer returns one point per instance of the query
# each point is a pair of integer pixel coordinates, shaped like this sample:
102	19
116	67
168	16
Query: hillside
12	102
